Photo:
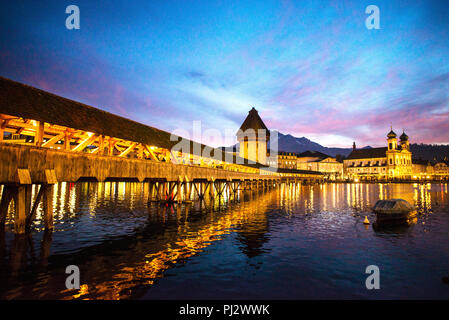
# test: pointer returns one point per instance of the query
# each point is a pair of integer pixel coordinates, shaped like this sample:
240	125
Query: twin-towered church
393	161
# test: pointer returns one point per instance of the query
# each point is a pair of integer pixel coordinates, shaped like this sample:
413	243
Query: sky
311	68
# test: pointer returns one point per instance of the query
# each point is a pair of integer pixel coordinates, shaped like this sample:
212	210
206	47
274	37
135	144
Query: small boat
394	212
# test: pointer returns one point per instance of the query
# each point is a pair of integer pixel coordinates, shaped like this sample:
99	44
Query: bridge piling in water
27	197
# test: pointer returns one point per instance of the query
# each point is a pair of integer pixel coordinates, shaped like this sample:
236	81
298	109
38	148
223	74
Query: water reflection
123	245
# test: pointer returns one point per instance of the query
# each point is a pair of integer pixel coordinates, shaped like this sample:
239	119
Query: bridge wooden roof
368	153
253	121
21	100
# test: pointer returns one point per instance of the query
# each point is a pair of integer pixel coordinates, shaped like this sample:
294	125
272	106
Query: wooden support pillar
3	124
48	206
111	147
39	138
153	191
32	213
170	191
159	190
179	190
219	186
19	210
67	137
150	191
167	190
190	190
201	190
193	184
47	198
187	190
223	186
212	188
164	190
101	145
28	190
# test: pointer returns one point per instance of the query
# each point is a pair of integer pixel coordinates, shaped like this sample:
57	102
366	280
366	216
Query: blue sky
311	68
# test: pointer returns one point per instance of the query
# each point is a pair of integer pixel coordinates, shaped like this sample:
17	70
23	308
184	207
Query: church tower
253	136
392	141
405	145
392	151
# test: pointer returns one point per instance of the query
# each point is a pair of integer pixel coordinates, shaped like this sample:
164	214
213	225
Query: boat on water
394	212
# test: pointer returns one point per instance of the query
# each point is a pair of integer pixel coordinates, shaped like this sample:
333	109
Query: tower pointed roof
253	121
403	136
391	134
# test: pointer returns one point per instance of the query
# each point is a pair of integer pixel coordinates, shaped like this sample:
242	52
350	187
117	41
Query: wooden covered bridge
46	139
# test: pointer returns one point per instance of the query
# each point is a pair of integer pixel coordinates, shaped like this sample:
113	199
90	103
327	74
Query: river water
293	242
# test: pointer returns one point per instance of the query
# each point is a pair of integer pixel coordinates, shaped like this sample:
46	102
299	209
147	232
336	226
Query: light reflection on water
293	242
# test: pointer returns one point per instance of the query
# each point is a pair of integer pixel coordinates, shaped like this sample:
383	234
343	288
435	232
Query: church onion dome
391	134
403	137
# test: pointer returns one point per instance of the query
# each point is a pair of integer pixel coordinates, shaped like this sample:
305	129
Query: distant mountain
289	143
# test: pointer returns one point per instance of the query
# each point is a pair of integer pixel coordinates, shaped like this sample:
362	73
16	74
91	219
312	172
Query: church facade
393	162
